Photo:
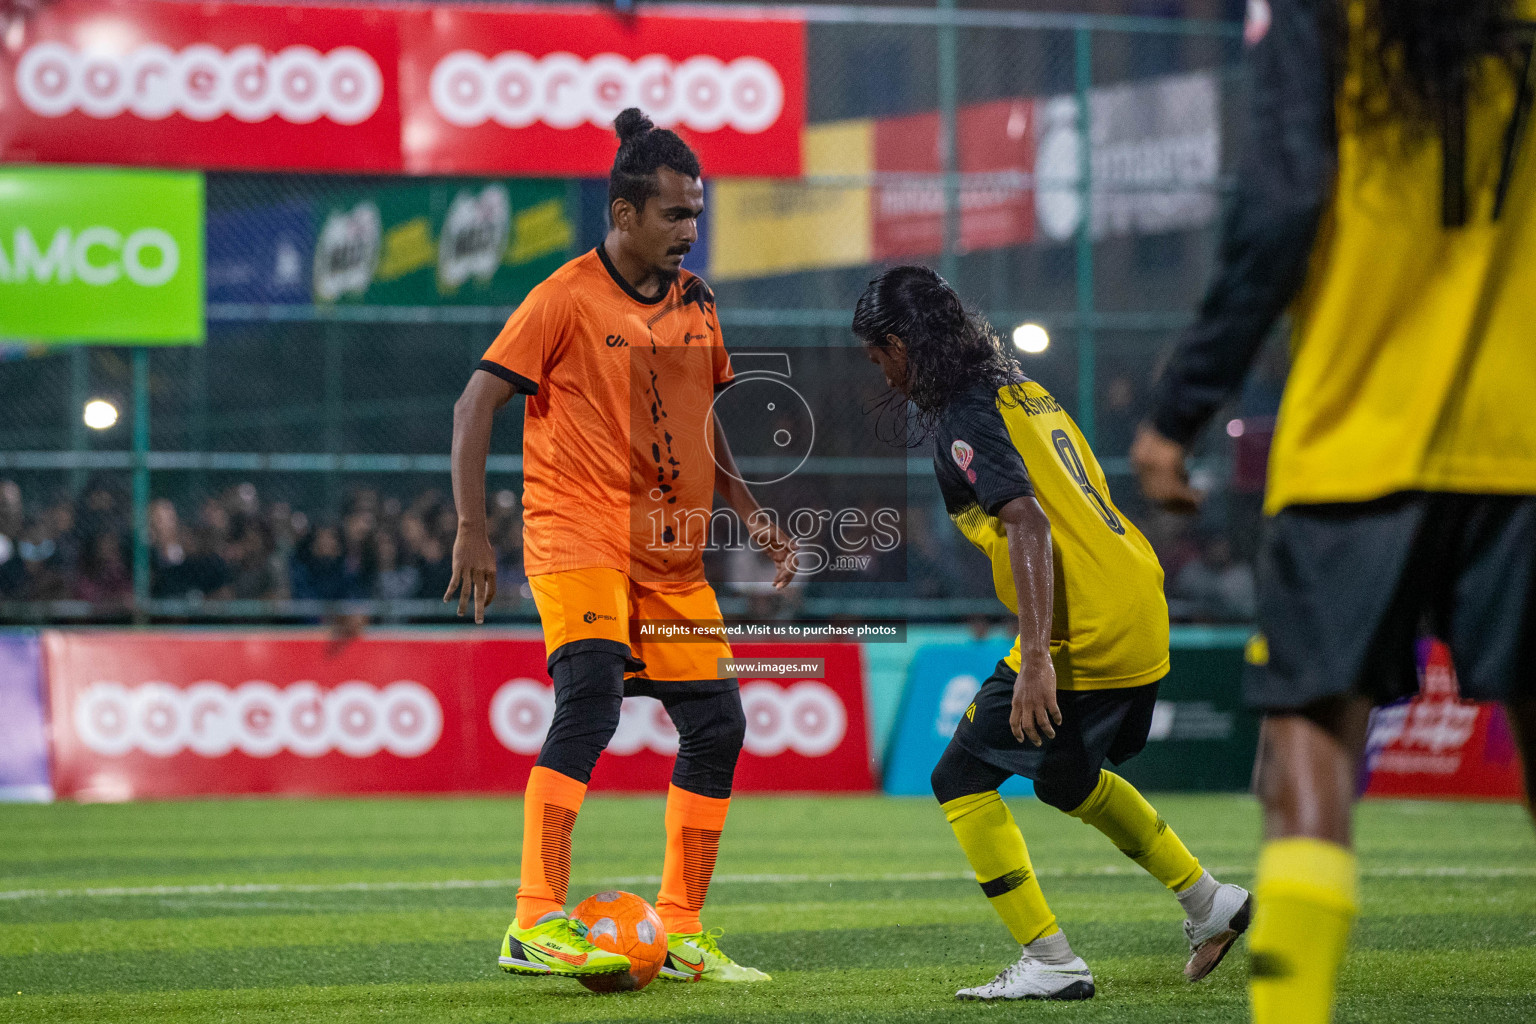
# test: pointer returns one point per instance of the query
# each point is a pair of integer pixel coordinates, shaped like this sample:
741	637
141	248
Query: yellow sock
1116	809
995	848
1305	899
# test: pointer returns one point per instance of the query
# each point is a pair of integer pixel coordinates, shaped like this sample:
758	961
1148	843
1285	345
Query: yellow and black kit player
1080	684
1387	196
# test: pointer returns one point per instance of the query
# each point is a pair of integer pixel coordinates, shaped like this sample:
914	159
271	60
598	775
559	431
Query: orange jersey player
619	354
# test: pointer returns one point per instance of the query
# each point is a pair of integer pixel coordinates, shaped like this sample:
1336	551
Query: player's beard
668	277
668	274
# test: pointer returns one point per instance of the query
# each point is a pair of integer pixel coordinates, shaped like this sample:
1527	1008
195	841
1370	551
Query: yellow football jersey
1413	359
1109	626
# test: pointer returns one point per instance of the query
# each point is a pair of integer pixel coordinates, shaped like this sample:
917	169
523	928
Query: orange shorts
606	605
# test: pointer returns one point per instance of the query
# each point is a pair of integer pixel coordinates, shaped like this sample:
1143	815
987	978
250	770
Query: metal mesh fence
299	458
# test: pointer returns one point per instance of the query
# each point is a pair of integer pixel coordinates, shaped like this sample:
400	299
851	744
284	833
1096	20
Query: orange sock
550	805
694	824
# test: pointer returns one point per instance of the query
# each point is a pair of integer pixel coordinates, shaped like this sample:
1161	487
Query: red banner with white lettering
996	145
203	85
153	715
425	89
1438	745
536	92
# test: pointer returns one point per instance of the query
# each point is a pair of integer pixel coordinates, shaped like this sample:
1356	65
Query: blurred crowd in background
236	546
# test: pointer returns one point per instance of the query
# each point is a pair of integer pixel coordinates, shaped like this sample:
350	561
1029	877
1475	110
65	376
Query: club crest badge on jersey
963	454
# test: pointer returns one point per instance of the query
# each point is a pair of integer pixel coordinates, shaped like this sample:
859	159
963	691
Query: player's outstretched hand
1160	469
474	572
1035	713
781	547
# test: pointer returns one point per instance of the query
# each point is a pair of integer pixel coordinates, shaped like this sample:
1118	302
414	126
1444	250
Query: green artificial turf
391	910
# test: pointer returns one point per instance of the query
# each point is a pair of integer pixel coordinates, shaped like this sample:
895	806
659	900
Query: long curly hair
1423	57
949	349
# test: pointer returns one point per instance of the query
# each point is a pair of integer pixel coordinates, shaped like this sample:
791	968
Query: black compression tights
589	690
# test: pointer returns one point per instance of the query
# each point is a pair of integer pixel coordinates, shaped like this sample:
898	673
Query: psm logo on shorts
963	454
592	617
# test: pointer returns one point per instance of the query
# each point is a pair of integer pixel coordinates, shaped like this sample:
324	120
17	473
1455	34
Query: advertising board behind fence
203	85
98	255
425	89
536	91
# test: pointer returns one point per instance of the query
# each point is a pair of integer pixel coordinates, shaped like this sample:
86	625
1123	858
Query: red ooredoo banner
536	92
203	85
139	716
431	89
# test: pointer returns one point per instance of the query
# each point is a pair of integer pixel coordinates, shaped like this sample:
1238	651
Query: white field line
260	888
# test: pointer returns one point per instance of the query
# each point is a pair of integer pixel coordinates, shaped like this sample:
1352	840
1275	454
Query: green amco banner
456	242
101	256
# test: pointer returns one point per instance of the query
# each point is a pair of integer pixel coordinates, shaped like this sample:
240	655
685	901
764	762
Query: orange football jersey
618	468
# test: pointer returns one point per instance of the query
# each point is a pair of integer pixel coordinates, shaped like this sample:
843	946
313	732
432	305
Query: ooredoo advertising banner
1438	745
138	716
536	91
98	255
430	88
203	85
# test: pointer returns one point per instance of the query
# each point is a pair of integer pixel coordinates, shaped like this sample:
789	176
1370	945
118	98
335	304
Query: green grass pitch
391	910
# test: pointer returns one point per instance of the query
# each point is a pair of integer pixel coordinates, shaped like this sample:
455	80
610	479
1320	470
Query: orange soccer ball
622	922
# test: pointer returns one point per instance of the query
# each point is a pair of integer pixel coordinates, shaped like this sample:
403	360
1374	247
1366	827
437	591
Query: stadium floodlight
100	414
1031	338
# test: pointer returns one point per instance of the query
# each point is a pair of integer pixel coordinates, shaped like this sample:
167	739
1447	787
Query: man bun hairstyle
631	124
643	150
949	348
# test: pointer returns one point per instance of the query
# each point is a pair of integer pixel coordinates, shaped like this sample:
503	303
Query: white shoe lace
1013	972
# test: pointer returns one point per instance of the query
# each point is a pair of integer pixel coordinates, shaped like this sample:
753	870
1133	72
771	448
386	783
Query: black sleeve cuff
1179	426
517	380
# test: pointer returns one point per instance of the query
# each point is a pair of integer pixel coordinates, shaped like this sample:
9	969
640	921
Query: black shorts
1346	589
1095	725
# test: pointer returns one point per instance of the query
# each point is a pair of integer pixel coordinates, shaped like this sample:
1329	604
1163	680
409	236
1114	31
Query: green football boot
557	946
697	957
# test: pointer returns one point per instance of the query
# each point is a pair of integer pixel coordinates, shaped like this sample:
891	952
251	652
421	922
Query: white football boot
1213	934
1033	979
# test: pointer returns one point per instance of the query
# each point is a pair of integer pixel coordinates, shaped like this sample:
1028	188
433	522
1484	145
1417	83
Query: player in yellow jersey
1080	683
1388	196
